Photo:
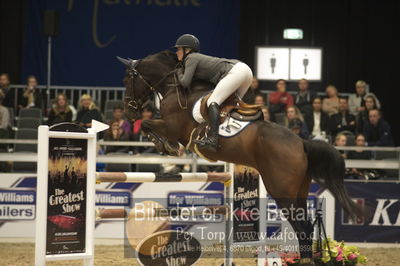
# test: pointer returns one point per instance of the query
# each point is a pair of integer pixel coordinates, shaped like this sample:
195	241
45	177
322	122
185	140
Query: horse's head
136	92
144	77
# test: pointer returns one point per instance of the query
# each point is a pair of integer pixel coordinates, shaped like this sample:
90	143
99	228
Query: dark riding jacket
379	135
200	66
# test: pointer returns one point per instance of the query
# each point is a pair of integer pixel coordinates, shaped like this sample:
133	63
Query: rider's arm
185	77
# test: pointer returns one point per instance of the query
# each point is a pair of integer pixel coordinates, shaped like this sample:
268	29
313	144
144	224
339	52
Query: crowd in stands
354	120
313	117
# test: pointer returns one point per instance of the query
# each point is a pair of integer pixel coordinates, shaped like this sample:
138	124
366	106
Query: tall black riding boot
211	142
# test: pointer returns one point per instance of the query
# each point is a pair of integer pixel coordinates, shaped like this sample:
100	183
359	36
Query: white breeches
237	80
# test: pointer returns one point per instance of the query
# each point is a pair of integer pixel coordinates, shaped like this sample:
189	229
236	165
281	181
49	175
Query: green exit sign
293	34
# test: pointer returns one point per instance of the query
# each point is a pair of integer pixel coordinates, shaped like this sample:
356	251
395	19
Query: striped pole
162	212
110	213
153	177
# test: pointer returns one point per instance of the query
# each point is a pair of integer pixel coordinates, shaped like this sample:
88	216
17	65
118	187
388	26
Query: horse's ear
127	62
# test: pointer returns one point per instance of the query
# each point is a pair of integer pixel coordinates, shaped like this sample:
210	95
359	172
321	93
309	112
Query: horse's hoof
306	262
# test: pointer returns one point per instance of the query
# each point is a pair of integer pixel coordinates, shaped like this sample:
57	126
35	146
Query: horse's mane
165	57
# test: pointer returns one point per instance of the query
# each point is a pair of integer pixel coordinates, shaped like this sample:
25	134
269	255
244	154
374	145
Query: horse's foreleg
157	131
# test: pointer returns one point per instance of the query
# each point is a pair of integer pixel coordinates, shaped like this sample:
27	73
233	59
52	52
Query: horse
287	164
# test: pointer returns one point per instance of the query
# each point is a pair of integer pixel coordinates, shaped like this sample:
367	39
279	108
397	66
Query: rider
228	76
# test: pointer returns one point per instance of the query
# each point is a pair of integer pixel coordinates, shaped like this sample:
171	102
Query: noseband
137	104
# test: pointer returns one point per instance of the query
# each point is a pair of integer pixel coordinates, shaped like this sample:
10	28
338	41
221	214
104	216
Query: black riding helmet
188	41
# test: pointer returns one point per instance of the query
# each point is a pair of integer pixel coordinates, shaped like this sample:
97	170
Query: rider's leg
242	89
238	77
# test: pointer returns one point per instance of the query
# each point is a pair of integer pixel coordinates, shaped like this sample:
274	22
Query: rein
136	103
179	98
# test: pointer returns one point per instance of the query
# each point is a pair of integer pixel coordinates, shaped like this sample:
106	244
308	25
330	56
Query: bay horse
286	163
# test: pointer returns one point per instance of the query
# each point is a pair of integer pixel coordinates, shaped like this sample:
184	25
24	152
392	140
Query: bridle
140	102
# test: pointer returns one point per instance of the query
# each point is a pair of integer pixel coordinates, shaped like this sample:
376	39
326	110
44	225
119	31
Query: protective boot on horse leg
228	75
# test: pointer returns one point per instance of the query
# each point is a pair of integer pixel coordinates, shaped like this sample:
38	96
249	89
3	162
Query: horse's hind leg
296	214
305	225
286	180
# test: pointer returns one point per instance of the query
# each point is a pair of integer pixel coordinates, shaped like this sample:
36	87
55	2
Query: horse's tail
326	166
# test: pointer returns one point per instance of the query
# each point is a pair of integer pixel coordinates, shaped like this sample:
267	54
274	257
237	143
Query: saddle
235	115
234	107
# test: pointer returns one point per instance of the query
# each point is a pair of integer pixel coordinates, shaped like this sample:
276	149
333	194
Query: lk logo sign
387	213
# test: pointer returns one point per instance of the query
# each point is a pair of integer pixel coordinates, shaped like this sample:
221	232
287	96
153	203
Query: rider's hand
179	71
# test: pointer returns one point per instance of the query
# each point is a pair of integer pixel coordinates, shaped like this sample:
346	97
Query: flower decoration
340	254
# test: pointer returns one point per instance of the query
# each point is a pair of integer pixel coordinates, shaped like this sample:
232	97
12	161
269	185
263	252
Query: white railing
99	94
192	159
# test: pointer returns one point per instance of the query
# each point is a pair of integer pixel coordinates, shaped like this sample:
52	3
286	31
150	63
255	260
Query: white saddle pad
229	128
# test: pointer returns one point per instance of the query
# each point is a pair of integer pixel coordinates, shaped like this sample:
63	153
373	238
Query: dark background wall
360	40
11	32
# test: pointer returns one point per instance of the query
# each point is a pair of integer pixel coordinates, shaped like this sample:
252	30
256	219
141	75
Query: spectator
330	105
5	129
362	117
118	115
259	99
116	133
4	119
61	111
265	112
304	97
293	113
32	97
341	141
252	92
297	127
147	113
377	131
357	100
4	82
317	121
280	99
9	94
342	120
359	154
87	111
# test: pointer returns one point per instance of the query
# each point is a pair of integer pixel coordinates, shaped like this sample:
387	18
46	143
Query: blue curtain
93	32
